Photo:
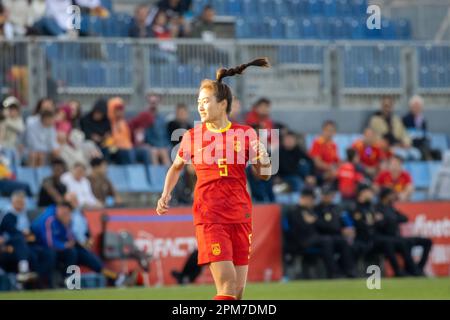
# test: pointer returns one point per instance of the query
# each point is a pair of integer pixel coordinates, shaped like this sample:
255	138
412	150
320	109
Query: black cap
308	192
328	189
363	187
385	192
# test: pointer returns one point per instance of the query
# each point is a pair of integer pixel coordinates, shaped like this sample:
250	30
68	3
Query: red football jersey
385	179
370	156
219	159
325	150
348	179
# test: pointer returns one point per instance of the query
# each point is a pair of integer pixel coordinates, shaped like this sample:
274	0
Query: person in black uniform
303	233
390	227
330	223
368	240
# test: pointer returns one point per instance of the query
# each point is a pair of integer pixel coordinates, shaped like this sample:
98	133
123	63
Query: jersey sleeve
314	152
379	180
185	150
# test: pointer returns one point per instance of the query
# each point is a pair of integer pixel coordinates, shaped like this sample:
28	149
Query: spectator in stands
333	223
8	182
23	14
303	232
204	27
96	125
369	152
181	121
259	118
6	27
163	30
44	104
16	224
392	219
53	230
140	28
70	153
396	178
77	182
349	176
324	153
102	187
13	126
75	113
120	144
368	240
386	123
290	155
156	135
416	124
63	123
52	189
174	8
41	139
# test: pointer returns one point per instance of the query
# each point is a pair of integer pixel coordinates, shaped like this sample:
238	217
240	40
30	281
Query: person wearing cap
332	222
369	241
303	233
392	218
13	126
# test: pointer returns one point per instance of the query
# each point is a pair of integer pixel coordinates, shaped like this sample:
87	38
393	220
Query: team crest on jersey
237	146
215	248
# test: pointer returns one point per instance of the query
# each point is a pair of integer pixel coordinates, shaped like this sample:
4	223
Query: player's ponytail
222	72
221	90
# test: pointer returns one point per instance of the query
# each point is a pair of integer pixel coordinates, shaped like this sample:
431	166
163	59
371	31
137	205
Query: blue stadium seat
28	175
418	196
31	204
433	167
330	8
107	4
420	173
233	7
4	203
138	178
42	173
94	73
343	141
157	175
118	176
439	141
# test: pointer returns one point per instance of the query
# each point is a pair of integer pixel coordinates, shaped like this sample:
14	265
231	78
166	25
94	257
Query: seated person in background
416	124
369	240
369	151
386	123
76	182
140	28
16	224
259	117
204	26
324	153
120	144
181	121
303	232
331	223
95	124
8	182
102	187
13	126
40	140
174	7
290	156
396	178
74	148
53	230
391	227
349	176
52	189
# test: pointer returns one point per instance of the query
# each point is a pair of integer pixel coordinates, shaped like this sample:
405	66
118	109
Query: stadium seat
42	173
138	178
157	175
420	173
28	175
118	176
419	196
4	203
433	167
439	141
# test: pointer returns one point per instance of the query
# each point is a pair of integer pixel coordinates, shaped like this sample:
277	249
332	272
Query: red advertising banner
430	220
171	239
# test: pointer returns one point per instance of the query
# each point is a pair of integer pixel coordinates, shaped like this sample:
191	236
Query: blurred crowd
165	20
354	217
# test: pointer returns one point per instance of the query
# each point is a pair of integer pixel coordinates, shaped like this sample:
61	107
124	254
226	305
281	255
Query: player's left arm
261	164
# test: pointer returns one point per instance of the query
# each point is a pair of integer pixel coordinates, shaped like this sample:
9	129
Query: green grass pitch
404	288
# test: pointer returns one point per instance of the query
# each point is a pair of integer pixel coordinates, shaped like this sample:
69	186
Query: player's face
18	203
208	107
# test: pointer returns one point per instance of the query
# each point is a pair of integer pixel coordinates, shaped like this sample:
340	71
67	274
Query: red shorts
224	242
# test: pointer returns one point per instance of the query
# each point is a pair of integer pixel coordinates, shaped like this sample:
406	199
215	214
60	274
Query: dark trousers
10	260
426	244
131	156
326	252
346	259
78	256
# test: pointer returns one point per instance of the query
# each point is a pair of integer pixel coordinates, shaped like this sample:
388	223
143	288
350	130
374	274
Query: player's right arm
173	174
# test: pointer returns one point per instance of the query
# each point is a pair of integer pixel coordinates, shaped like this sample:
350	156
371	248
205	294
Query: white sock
23	266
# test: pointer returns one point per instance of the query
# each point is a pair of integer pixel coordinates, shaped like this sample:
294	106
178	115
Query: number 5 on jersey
223	168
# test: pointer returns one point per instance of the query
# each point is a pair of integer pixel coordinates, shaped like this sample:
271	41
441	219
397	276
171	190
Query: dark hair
362	188
58	162
351	154
261	101
39	104
96	162
66	204
47	114
385	192
182	106
329	123
221	90
308	192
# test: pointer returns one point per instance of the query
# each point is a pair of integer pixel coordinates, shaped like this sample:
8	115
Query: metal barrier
304	73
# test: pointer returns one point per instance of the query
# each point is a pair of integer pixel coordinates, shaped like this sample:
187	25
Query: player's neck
219	125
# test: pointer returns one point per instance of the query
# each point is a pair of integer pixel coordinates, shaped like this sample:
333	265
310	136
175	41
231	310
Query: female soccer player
219	151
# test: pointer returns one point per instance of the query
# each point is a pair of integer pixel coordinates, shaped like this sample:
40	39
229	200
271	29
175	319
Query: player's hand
261	152
163	204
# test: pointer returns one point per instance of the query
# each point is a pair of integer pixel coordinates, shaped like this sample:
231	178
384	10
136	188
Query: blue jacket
49	231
